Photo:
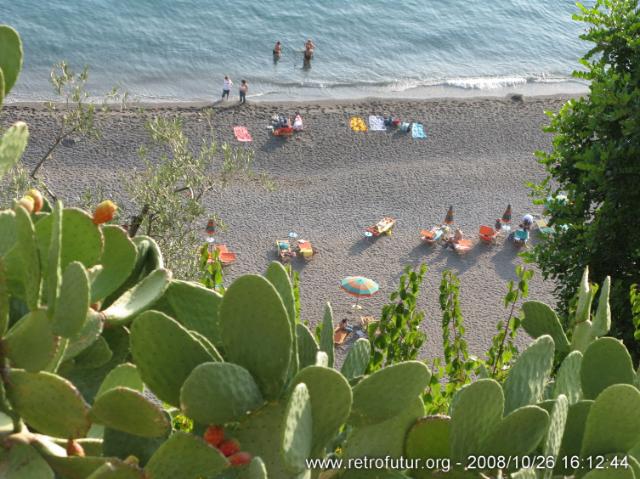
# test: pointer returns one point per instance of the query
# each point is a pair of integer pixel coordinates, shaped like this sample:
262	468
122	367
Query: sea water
180	50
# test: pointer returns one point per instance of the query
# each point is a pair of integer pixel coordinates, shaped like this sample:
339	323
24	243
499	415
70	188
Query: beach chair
432	236
520	237
487	234
305	249
226	257
543	227
462	246
284	251
382	227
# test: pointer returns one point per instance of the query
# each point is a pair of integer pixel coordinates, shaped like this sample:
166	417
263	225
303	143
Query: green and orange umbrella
506	216
360	287
449	218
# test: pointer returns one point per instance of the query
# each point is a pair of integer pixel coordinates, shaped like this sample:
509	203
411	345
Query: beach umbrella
449	218
360	287
211	227
506	216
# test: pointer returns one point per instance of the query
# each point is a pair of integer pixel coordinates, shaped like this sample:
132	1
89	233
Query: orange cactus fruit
74	449
37	199
104	212
27	203
240	458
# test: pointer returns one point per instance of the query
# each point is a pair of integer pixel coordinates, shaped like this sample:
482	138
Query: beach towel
242	134
357	124
376	123
417	131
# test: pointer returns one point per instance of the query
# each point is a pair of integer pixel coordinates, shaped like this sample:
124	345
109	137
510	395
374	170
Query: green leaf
125	375
72	304
129	411
10	57
165	354
48	403
218	393
138	298
184	455
118	260
30	343
251	315
298	429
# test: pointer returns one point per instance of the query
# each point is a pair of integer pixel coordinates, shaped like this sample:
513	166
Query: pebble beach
331	182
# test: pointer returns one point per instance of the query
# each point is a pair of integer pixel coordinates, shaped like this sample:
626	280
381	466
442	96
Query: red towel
242	134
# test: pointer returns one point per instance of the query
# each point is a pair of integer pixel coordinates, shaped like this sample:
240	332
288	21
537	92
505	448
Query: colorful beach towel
376	123
242	134
417	131
357	124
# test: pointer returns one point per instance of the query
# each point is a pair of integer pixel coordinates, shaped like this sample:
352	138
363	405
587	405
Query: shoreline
190	105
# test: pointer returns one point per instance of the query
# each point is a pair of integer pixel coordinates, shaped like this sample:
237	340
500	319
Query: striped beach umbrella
360	287
449	218
211	227
506	216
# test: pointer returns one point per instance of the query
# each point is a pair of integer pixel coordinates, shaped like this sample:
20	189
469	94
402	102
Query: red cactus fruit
37	199
214	435
229	447
104	212
74	449
240	458
27	203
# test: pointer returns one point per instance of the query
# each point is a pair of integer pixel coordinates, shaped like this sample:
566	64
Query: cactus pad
53	272
613	423
129	411
527	377
251	315
196	308
184	455
553	440
388	391
476	411
30	343
10	61
540	319
22	461
165	354
125	375
602	319
86	336
326	336
118	260
12	145
606	361
298	429
568	378
429	437
8	231
331	400
49	403
218	393
27	250
72	304
518	433
357	359
307	346
138	298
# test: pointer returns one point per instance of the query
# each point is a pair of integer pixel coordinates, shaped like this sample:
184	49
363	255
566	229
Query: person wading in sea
226	87
277	51
244	88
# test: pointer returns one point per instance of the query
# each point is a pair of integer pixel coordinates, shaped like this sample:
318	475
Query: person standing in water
226	87
244	88
277	50
308	50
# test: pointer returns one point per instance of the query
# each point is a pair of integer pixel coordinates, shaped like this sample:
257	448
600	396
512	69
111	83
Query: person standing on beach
226	87
244	88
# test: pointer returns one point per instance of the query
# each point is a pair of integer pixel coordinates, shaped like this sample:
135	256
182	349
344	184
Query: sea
180	50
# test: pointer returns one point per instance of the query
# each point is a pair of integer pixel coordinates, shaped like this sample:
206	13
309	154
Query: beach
331	182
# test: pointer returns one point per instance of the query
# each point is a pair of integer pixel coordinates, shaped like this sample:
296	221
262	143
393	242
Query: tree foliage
595	161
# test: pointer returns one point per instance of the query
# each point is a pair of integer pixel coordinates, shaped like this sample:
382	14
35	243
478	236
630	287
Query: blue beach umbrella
360	287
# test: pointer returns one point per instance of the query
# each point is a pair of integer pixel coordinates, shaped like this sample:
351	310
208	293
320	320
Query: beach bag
405	127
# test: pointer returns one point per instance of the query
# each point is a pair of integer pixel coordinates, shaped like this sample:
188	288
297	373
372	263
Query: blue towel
417	131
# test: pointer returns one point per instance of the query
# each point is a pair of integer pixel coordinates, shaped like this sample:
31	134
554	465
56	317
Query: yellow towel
357	124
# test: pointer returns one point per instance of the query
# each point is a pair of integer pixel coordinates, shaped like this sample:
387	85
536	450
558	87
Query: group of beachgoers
227	84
